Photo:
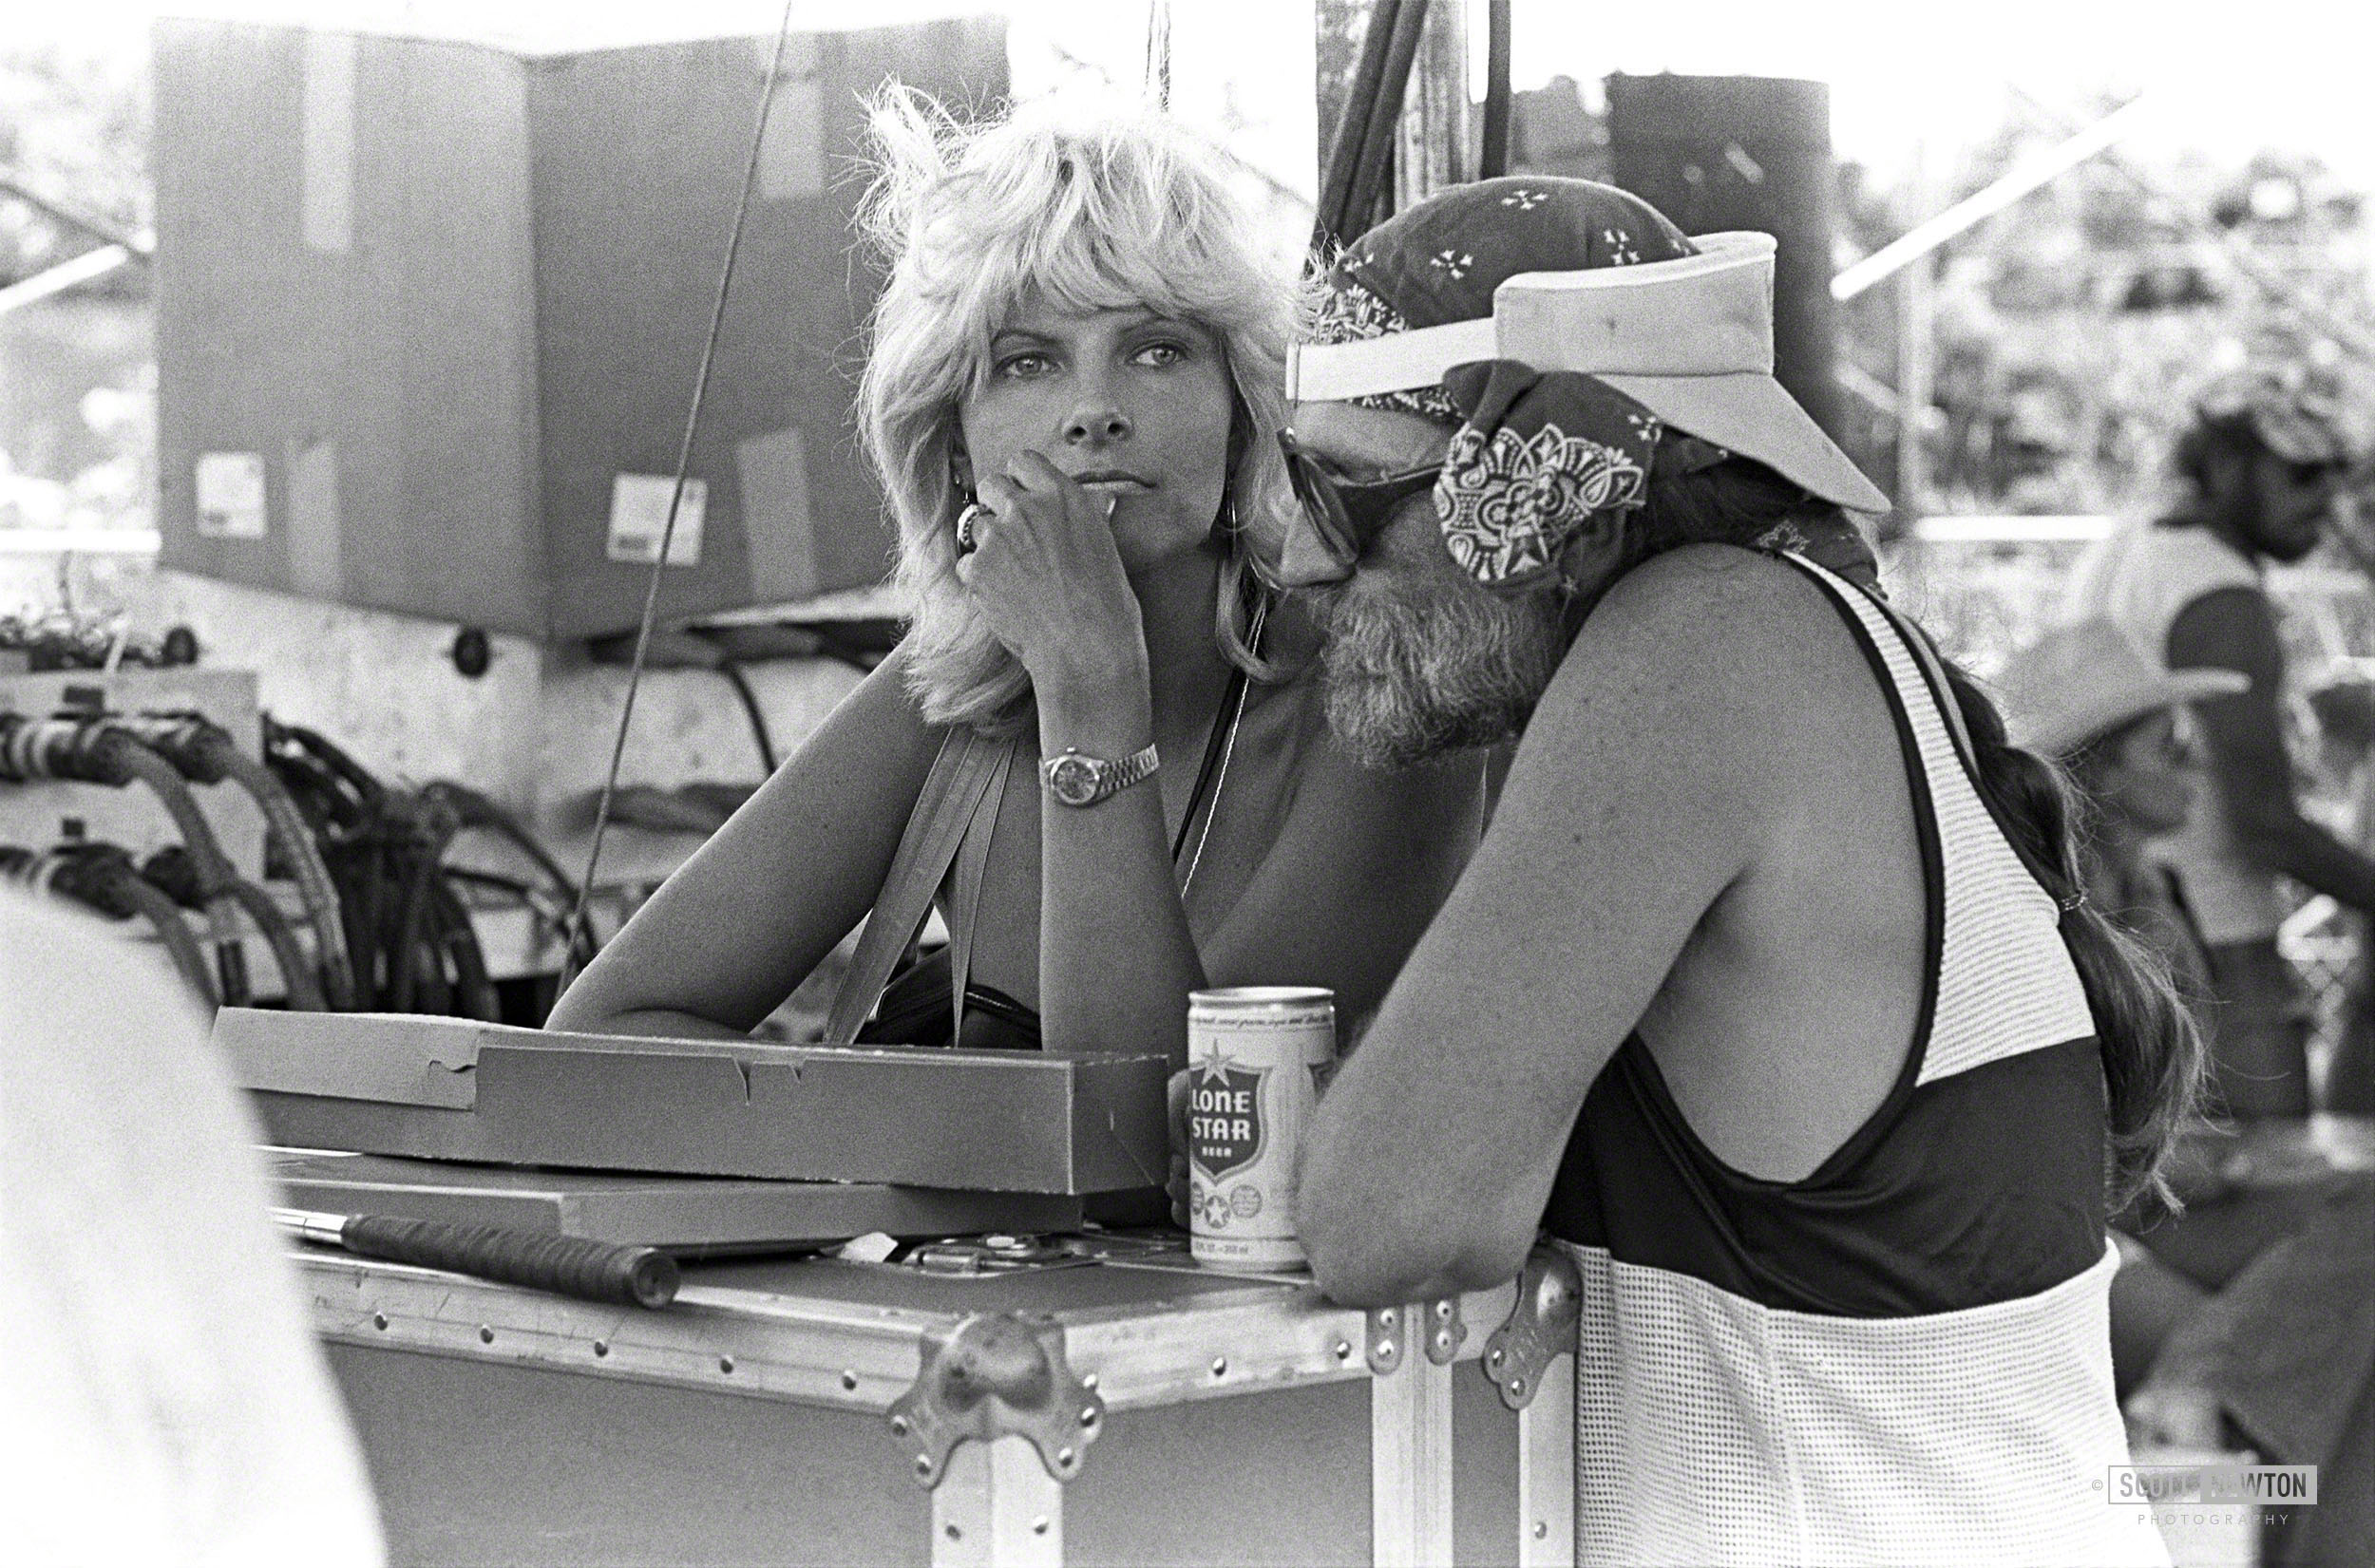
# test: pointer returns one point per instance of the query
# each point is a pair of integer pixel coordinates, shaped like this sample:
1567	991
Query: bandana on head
1538	457
1545	456
1440	261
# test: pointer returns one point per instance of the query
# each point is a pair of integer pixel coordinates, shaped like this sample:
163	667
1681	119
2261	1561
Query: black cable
741	683
474	990
205	753
103	751
367	870
312	875
324	799
173	871
478	810
214	869
349	809
164	917
525	892
368	790
100	877
411	939
432	828
536	900
296	968
339	803
684	467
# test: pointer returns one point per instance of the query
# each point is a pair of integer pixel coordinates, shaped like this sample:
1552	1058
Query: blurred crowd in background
2064	337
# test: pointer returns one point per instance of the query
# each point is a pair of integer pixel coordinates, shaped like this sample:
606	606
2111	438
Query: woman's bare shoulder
880	711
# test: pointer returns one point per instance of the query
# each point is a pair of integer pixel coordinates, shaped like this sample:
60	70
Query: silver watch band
1076	779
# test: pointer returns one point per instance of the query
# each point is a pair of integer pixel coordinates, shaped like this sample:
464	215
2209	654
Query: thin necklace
1228	750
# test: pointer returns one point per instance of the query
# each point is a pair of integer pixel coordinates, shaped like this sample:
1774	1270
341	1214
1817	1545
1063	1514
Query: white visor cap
1689	339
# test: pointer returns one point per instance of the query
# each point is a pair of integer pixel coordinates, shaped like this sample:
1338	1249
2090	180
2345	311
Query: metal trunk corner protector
1385	1340
993	1375
1541	1327
1446	1330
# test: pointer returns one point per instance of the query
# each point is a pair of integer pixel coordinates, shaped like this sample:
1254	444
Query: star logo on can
1226	1131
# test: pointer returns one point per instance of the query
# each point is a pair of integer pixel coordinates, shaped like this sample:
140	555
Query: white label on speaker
639	517
231	495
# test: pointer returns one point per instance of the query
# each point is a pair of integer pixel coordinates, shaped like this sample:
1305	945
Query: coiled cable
206	751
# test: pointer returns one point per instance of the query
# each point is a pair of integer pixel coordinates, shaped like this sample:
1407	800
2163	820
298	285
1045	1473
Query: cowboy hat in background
2084	680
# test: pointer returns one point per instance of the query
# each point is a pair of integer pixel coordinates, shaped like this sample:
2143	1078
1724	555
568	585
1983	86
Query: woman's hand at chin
1048	580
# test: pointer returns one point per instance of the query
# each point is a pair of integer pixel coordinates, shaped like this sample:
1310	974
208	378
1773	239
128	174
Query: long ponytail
2152	1052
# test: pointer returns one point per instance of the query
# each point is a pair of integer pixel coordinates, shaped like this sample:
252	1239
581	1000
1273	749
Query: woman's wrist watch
1076	779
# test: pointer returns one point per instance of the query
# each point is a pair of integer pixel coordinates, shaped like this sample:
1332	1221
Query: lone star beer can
1256	1057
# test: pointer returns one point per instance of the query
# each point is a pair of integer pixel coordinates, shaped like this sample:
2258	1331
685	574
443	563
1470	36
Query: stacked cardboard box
431	312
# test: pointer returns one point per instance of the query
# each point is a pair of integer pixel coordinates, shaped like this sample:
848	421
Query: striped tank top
1904	1357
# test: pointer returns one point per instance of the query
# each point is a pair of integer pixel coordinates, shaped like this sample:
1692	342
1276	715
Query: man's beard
1420	661
2244	508
2286	547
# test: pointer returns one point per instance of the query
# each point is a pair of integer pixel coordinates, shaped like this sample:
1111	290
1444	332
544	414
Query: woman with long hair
1074	401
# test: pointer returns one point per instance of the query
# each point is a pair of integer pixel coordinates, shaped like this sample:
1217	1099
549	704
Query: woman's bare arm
1116	961
759	905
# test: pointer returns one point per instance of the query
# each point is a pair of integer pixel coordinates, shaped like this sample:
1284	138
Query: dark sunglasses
1349	513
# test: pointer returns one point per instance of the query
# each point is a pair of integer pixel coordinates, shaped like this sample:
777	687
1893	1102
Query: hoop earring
1226	525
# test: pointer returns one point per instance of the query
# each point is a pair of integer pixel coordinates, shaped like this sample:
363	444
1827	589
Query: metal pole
64	276
1916	327
1337	33
1916	354
1493	158
1927	237
1158	74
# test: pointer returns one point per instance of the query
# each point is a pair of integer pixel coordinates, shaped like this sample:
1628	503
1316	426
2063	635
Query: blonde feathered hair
1098	211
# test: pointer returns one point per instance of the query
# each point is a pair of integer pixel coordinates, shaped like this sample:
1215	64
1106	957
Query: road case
687	1216
1090	1399
458	1090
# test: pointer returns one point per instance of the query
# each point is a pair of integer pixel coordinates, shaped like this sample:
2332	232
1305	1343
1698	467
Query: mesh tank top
1904	1356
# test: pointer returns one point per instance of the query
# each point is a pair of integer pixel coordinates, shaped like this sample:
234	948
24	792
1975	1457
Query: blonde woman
1073	400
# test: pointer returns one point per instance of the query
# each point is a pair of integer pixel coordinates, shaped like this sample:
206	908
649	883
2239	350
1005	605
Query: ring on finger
966	544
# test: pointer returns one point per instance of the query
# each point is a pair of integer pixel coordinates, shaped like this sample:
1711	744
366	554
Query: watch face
1073	780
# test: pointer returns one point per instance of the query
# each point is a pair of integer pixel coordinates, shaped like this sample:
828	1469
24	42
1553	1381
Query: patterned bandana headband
1538	459
1580	343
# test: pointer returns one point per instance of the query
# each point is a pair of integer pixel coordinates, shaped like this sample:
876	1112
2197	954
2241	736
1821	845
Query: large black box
431	312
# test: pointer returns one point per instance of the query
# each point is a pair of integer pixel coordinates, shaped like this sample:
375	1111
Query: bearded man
2258	464
1770	995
